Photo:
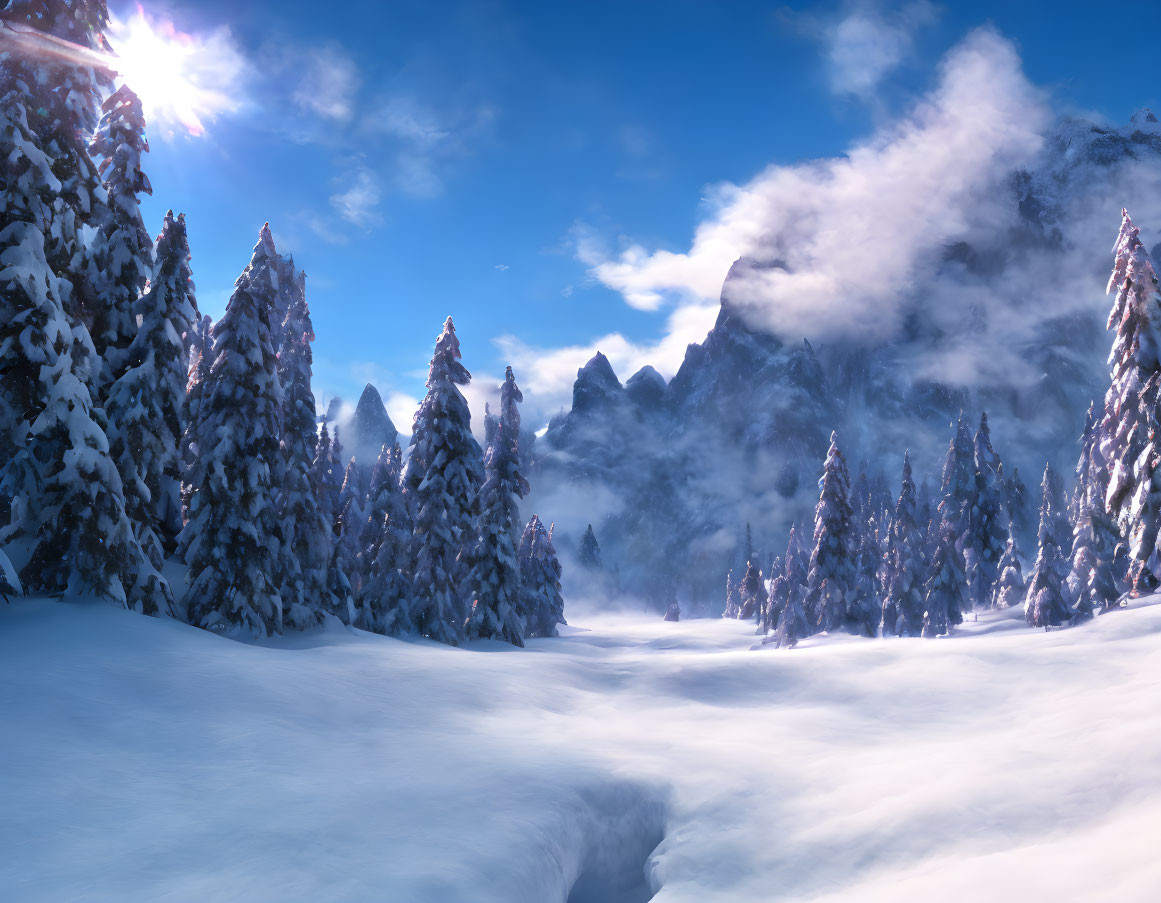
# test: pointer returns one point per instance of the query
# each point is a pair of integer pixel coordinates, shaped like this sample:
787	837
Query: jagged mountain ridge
669	473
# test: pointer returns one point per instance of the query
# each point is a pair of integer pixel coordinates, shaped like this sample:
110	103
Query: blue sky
519	165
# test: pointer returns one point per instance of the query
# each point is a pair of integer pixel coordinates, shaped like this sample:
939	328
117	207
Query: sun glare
184	81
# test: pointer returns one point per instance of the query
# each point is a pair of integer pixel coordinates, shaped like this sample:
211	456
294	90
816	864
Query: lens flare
184	81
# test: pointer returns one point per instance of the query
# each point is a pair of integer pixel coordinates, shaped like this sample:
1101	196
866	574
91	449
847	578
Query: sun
184	81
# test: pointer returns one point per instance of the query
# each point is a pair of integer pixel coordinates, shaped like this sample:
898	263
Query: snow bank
146	760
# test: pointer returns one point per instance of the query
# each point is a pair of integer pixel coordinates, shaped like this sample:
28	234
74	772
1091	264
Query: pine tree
750	592
987	524
866	608
321	477
120	258
384	597
1018	508
200	349
305	533
1091	582
540	576
1010	588
835	539
9	581
63	488
590	551
767	605
494	578
946	590
1046	603
958	478
903	602
145	402
342	584
791	582
733	603
792	625
232	544
1129	420
350	523
441	481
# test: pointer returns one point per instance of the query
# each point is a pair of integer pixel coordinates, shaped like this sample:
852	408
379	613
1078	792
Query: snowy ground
143	760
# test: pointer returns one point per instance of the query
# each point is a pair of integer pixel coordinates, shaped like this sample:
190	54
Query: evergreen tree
733	603
1010	587
590	551
792	625
200	351
494	579
384	597
1092	582
835	538
958	478
1019	510
903	601
145	402
1129	420
946	591
750	592
120	258
865	609
350	524
540	576
9	582
984	542
1047	601
441	480
64	490
321	478
791	582
232	543
342	584
305	533
767	605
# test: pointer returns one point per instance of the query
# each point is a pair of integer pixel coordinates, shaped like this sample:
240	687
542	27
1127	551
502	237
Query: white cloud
866	44
329	83
852	236
851	233
359	203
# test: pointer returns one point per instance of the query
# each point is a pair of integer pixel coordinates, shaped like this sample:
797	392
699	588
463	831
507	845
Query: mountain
1011	321
371	428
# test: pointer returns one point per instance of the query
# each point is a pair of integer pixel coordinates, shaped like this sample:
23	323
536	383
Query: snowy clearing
146	760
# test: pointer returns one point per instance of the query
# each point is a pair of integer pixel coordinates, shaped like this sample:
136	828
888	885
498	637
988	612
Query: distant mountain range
669	473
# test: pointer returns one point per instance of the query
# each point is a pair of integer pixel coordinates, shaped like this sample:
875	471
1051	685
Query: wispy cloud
866	41
329	83
844	240
359	202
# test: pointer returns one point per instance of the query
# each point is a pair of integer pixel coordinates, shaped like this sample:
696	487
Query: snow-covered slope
145	760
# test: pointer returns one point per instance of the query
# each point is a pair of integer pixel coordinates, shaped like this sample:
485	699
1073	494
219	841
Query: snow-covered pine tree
144	404
494	579
383	605
946	590
1092	580
232	545
958	478
320	476
494	576
733	606
441	481
1129	421
64	490
590	551
1046	604
120	256
790	581
792	625
540	576
770	602
350	523
750	592
341	588
1010	588
835	538
200	348
306	534
9	581
903	601
1018	508
865	608
987	522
